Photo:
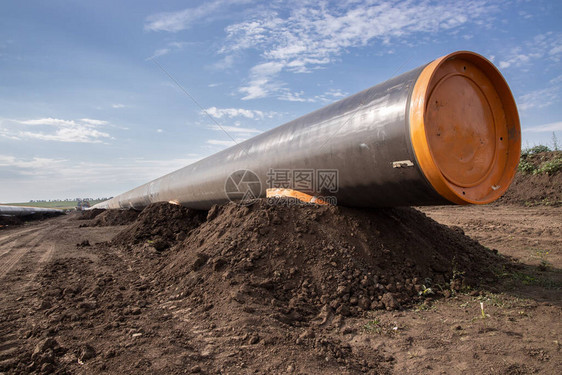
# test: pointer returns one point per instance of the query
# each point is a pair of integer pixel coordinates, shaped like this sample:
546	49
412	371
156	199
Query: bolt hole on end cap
465	129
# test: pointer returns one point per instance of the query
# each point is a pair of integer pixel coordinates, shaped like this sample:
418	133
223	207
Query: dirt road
24	253
94	309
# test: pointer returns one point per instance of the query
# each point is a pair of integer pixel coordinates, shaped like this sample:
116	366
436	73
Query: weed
526	167
373	326
535	150
456	273
426	291
425	307
544	265
484	315
376	326
413	354
531	280
530	163
493	299
550	167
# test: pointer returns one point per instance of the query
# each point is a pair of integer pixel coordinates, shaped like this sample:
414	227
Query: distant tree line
68	200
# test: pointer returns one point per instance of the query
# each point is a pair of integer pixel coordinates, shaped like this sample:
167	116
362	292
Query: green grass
550	167
373	326
61	205
535	150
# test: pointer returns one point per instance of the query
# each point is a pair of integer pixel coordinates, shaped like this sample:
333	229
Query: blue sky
85	112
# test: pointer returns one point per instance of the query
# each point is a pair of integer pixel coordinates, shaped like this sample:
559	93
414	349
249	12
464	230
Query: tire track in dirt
6	235
19	248
30	248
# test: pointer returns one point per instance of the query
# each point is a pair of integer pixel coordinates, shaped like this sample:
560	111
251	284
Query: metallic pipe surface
25	211
445	133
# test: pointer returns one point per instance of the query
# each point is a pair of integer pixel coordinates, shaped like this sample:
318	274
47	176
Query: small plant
457	274
425	307
373	326
526	166
426	291
537	149
544	265
493	299
482	310
550	167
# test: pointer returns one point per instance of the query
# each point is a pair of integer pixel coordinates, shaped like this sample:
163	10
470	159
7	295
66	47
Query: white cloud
53	129
518	59
556	80
184	19
261	83
219	142
48	121
235	129
34	163
118	105
239	112
78	135
327	97
292	96
159	130
170	47
546	46
225	63
94	122
552	127
315	33
538	98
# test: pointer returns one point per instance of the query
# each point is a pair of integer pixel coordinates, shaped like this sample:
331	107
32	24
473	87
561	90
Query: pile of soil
11	221
531	187
301	263
160	224
90	214
107	218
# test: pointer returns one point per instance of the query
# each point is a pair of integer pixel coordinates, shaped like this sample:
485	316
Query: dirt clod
86	352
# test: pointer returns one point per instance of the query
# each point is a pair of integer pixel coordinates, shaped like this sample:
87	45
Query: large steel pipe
25	210
446	132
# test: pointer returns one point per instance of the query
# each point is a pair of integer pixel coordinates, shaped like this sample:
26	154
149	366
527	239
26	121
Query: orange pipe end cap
465	128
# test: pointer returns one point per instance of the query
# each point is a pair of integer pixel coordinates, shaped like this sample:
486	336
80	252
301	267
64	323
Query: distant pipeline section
445	133
27	211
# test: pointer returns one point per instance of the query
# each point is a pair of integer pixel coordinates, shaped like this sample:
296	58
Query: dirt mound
302	263
538	180
113	217
90	214
161	224
11	221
